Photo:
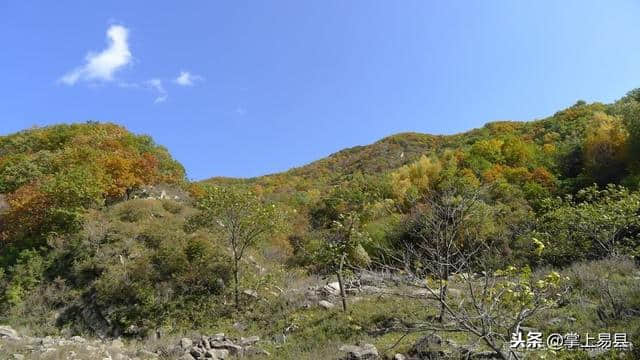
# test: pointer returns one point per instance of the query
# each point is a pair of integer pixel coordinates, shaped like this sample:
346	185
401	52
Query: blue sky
245	88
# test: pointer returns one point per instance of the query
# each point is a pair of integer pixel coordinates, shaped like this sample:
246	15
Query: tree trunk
343	297
235	284
443	295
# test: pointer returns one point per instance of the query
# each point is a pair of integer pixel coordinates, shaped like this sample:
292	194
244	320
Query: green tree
241	218
595	224
605	149
342	248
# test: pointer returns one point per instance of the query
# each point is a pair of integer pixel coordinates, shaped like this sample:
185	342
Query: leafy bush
595	224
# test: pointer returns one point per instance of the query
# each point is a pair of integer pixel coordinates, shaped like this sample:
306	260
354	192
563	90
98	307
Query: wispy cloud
156	84
187	79
102	66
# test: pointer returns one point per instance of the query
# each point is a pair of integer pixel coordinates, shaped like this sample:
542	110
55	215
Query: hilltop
103	237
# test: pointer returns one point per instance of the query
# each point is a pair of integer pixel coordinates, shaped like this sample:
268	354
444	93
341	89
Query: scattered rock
249	341
6	332
218	346
332	288
254	351
117	343
217	354
250	293
217	337
399	357
325	304
428	347
196	352
186	343
78	339
364	352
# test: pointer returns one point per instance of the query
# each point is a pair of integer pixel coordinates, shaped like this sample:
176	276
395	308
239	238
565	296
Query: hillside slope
556	143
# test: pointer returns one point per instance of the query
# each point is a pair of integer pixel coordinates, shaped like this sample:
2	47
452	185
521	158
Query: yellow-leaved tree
605	149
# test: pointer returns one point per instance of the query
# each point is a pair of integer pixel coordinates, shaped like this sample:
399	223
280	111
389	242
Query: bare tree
448	247
442	236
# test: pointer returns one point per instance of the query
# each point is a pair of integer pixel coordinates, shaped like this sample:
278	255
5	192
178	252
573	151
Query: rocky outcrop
214	347
219	347
17	346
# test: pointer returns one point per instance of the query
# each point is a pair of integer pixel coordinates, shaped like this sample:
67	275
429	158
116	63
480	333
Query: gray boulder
364	352
186	343
217	354
325	304
427	348
6	332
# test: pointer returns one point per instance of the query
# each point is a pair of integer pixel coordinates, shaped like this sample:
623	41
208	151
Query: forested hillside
102	235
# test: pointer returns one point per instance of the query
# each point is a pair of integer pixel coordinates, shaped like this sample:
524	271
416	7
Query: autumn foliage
50	175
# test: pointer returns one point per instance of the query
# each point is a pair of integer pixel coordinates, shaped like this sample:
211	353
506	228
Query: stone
6	332
217	354
250	293
117	343
332	288
217	337
254	351
204	342
186	343
325	304
197	352
228	345
399	357
78	339
427	347
364	352
47	341
17	357
249	341
186	357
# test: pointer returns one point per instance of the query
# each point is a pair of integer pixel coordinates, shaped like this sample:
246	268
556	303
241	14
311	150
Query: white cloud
187	79
156	84
102	65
